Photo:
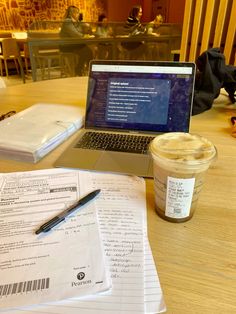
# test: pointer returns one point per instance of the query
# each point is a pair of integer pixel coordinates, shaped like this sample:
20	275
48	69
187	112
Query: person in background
153	26
103	30
133	21
81	17
85	27
157	27
72	28
133	27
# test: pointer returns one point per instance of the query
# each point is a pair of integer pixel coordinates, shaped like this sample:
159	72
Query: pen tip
37	231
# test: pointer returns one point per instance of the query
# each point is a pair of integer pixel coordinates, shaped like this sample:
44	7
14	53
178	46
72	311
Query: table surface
196	260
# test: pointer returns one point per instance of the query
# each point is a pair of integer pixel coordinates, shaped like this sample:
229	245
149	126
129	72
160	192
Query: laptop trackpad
123	163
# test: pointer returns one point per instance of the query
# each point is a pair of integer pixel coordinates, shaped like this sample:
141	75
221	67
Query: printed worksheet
65	262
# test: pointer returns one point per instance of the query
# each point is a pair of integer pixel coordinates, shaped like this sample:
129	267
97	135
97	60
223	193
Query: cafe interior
185	31
32	26
195	259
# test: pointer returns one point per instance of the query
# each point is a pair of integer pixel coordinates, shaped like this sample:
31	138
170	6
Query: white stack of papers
32	133
121	210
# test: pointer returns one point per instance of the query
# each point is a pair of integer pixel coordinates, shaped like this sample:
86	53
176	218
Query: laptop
128	104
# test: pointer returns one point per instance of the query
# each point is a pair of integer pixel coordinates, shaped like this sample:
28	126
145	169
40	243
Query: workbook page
55	265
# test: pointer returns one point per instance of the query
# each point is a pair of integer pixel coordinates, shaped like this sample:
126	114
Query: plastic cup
180	162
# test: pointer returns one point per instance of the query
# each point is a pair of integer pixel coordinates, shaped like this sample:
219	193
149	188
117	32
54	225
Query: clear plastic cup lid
181	147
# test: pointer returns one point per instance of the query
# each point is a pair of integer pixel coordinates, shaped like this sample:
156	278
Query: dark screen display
140	97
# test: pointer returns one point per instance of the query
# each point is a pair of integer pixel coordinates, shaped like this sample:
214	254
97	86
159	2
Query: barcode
24	286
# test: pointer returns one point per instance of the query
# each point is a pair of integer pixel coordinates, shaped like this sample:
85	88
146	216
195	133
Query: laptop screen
143	96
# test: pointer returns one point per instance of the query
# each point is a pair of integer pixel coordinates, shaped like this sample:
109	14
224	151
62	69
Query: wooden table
196	260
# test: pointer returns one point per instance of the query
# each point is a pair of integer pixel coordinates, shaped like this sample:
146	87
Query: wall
19	14
176	11
118	10
172	10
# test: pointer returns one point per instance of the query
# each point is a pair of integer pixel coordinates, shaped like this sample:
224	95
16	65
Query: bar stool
69	61
48	60
26	57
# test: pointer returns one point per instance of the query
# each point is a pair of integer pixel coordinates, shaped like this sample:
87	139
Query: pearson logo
80	276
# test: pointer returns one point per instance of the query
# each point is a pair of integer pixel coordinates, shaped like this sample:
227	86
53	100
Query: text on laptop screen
152	98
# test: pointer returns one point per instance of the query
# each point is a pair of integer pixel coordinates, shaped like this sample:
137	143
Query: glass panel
56	52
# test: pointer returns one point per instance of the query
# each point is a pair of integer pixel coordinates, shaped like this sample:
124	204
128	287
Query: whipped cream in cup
180	162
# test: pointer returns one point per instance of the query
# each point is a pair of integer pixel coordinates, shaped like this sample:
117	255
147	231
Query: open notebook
128	103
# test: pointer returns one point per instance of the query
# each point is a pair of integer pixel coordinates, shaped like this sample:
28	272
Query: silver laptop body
137	99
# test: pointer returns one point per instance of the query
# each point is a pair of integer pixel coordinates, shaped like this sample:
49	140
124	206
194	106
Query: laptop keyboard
115	142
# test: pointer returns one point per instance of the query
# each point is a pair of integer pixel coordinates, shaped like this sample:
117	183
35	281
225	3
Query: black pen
59	218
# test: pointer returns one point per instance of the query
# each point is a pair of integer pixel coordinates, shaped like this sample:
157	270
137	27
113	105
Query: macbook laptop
128	104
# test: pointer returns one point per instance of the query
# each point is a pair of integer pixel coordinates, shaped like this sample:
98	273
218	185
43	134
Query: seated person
133	21
153	26
73	28
157	50
134	28
103	30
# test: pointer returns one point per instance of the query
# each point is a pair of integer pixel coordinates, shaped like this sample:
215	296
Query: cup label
179	197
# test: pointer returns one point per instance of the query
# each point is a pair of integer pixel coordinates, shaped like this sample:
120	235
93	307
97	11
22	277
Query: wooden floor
15	79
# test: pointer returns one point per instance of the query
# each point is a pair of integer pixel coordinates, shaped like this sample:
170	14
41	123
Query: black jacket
212	75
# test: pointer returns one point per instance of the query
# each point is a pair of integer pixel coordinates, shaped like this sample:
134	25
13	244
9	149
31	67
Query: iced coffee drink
180	162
